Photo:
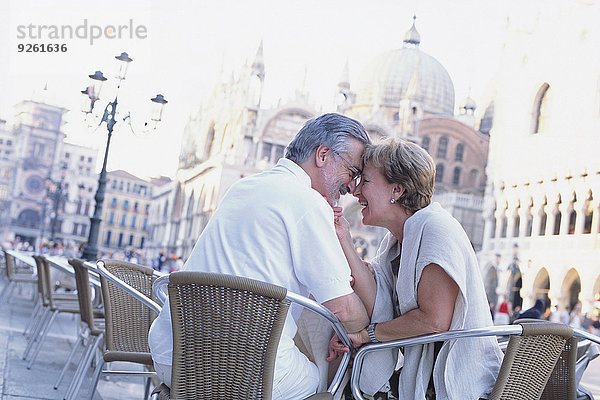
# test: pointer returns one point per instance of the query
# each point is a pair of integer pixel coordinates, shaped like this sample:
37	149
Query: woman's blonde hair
406	164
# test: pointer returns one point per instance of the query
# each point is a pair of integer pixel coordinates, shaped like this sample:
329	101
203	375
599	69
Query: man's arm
350	311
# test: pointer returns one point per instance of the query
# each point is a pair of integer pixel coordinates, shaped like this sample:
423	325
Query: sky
182	48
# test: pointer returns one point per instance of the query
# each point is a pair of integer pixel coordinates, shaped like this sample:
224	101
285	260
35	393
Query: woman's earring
392	200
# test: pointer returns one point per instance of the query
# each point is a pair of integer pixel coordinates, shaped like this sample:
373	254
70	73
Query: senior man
277	226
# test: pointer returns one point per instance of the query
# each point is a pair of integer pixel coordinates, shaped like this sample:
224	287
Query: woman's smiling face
375	193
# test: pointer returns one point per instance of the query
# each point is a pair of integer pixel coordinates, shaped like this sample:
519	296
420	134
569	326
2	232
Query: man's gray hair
332	130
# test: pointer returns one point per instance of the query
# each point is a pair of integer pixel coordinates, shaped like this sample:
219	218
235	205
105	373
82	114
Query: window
493	227
543	221
107	238
38	150
145	224
78	210
147	209
442	149
86	210
120	241
142	240
516	226
587	224
111	218
83	230
133	221
81	158
89	159
67	155
456	176
126	205
113	202
529	226
136	206
572	219
266	151
460	151
557	218
504	222
439	173
9	142
123	220
75	229
131	240
425	143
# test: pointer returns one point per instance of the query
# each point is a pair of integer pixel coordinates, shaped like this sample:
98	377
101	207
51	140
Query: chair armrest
127	288
580	333
435	337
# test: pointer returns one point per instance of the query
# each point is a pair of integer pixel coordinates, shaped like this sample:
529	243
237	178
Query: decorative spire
412	36
345	78
258	66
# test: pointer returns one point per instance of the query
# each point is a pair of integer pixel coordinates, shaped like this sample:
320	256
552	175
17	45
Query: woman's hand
342	226
359	338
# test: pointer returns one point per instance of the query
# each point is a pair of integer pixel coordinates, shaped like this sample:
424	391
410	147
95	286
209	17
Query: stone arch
570	289
490	284
29	218
541	285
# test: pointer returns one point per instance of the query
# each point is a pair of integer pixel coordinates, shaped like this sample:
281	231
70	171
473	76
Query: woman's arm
364	282
436	296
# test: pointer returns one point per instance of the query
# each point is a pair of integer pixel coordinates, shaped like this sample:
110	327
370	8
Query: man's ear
321	155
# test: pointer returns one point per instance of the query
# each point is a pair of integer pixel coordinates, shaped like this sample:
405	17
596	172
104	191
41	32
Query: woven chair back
562	382
10	265
127	319
529	360
226	330
42	279
84	293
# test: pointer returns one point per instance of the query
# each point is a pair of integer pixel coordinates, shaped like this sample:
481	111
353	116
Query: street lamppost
91	95
57	197
54	195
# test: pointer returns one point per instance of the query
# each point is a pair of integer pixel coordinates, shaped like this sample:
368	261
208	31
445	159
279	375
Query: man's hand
337	348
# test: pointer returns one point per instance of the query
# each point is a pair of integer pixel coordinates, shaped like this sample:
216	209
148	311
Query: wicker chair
15	274
91	330
226	330
128	321
52	304
531	355
563	381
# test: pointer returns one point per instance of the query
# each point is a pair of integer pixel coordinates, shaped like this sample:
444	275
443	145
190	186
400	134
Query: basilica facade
402	93
542	217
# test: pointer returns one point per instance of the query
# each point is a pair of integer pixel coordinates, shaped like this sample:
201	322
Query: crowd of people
542	309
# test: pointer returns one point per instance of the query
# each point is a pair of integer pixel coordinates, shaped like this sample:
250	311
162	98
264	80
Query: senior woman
431	272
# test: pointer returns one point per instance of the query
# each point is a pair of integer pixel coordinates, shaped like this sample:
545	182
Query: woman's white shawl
465	368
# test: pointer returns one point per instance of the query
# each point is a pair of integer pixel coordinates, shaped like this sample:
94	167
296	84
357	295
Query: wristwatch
371	332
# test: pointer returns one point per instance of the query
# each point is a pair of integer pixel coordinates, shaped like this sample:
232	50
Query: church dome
404	73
